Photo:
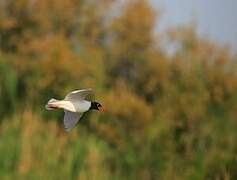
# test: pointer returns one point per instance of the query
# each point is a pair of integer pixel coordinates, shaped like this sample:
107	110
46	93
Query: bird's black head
96	106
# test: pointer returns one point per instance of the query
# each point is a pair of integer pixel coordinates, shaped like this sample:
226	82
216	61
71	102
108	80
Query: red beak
101	109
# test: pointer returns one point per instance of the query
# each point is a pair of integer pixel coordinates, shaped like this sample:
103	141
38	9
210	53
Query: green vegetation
170	115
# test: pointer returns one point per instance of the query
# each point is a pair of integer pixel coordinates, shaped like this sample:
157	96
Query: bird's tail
52	104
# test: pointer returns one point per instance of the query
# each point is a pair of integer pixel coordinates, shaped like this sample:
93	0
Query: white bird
74	105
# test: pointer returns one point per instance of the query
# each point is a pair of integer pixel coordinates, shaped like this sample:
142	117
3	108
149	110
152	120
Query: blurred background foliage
171	114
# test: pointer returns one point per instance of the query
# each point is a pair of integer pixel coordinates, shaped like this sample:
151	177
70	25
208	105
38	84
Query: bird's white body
81	106
74	105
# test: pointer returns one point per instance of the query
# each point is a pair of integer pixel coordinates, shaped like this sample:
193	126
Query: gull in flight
74	105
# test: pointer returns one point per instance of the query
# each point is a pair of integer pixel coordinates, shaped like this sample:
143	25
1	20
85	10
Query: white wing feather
71	119
78	95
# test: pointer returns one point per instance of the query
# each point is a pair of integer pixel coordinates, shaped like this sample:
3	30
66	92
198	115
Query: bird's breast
81	106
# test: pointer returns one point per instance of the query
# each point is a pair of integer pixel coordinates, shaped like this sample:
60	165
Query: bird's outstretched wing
71	119
78	95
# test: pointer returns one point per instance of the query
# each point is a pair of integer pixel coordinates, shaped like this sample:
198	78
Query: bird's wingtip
67	129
